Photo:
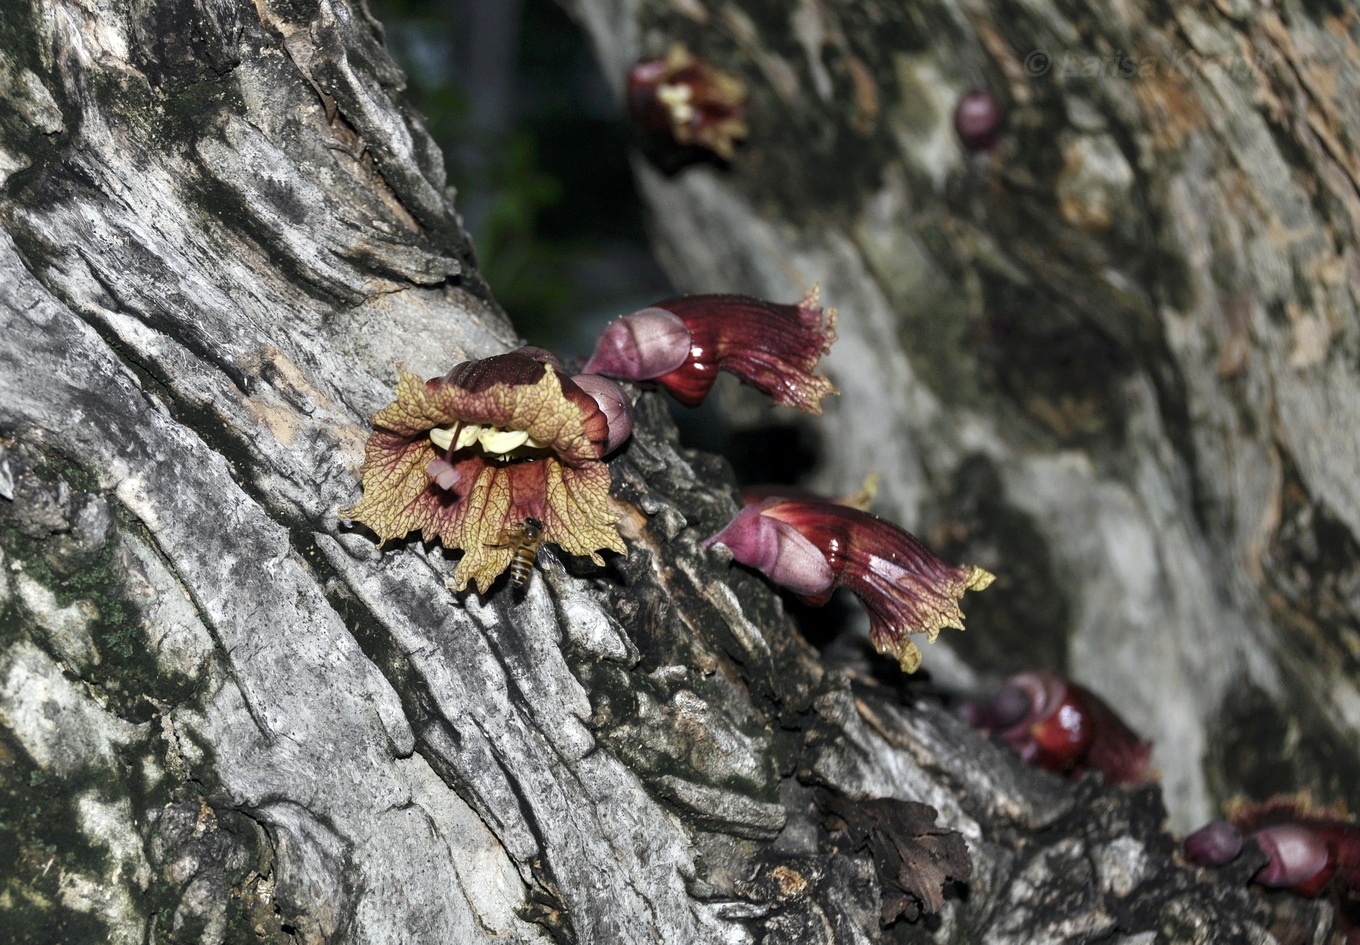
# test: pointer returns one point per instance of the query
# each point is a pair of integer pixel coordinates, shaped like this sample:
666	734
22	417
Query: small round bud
613	403
977	119
1214	844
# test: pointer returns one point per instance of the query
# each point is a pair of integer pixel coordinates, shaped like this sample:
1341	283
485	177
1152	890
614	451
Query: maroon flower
812	547
470	457
682	101
683	343
1063	727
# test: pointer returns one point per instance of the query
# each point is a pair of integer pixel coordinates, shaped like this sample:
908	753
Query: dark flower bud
613	403
977	119
1214	844
1063	727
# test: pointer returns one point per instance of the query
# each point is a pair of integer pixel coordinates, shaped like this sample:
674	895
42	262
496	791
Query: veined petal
447	459
774	348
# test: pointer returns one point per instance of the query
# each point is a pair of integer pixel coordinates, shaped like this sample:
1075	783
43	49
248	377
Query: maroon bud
1214	844
977	119
614	404
641	346
1296	857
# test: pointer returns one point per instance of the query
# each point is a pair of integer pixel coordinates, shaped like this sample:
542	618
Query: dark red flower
683	101
812	547
468	458
683	343
1064	727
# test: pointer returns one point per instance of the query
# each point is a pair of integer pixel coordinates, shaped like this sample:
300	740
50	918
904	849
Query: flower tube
684	342
812	547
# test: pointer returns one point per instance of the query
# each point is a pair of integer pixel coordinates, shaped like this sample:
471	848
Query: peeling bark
225	715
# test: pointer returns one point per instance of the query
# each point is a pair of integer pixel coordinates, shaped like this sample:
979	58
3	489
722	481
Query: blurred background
539	154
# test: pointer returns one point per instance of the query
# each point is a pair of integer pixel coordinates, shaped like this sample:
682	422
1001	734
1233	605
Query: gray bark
225	715
1116	354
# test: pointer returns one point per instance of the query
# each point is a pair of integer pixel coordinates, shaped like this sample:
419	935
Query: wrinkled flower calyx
680	102
467	458
683	343
812	547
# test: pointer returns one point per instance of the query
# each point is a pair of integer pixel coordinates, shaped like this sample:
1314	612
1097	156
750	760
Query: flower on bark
1064	727
812	547
683	101
467	458
683	343
1308	849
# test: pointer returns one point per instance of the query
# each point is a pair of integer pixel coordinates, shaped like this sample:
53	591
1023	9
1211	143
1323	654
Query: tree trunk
225	714
1112	358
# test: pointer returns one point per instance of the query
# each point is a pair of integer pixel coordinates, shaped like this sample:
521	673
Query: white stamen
468	435
502	441
677	99
441	437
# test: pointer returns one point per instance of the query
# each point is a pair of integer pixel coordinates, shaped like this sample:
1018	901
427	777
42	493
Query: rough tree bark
225	716
1113	359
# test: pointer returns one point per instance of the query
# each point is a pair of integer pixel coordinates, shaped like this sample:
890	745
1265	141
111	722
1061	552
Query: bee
525	539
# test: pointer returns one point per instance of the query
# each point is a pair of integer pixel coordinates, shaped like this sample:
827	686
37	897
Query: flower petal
467	458
778	550
613	403
640	346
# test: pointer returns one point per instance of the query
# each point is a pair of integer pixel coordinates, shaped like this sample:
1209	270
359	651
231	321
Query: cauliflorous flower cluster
513	445
469	457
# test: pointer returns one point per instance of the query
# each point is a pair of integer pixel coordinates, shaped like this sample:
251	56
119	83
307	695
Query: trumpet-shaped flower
812	547
469	457
684	342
